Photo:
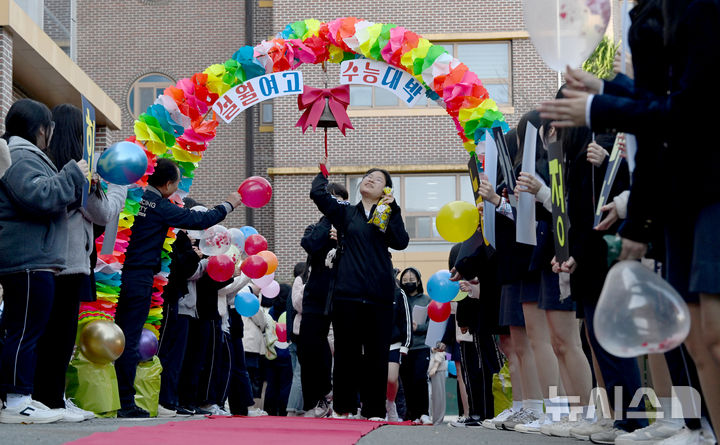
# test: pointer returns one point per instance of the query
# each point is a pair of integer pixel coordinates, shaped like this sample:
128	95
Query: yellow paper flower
313	28
153	143
215	83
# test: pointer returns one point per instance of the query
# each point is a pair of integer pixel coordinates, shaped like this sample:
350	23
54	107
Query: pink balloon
255	191
271	290
263	282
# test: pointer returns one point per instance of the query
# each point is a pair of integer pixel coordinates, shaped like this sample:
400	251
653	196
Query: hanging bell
327	120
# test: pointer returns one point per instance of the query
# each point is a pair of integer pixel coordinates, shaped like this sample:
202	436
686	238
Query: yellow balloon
457	221
460	296
282	318
102	342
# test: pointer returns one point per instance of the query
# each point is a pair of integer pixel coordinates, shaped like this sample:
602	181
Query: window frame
134	90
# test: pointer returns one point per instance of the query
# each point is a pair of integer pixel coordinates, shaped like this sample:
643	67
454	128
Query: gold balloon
102	342
457	221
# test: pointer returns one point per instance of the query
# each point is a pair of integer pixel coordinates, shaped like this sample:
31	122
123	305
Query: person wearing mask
75	283
362	292
142	261
413	369
314	353
34	197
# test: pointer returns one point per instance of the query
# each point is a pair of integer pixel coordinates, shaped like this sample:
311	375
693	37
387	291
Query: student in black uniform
363	292
142	260
399	345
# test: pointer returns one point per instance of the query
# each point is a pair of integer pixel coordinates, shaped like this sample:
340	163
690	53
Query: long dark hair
25	118
416	272
541	159
67	142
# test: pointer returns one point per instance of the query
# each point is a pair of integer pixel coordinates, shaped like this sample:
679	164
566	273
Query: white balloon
565	32
639	312
271	290
263	282
237	238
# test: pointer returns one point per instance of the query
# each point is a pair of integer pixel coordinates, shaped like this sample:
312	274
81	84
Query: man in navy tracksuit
142	261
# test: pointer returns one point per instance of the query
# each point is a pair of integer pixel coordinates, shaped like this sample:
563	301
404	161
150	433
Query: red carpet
258	430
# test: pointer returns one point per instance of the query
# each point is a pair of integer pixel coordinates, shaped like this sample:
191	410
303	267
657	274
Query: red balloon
255	192
254	266
438	312
220	267
255	244
281	331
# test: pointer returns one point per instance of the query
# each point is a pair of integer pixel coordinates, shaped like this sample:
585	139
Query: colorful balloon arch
179	125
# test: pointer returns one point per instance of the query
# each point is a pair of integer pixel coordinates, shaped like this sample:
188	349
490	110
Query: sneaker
321	409
460	422
31	411
215	410
391	409
491	423
336	415
134	412
583	432
183	412
295	413
426	420
376	419
69	416
165	413
519	418
256	412
562	428
534	426
72	407
608	436
197	411
686	436
650	434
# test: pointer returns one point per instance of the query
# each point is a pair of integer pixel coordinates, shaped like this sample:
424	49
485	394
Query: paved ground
389	434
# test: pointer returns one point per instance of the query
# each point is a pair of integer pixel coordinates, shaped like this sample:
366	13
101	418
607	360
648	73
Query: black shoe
198	411
133	412
181	411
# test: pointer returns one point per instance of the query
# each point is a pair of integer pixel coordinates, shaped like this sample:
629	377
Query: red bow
312	100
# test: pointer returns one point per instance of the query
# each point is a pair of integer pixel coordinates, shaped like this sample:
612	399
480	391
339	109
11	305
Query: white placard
382	75
491	159
435	332
256	90
419	314
525	221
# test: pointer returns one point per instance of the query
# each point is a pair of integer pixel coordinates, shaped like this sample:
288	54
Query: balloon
255	191
438	312
220	267
234	253
639	313
270	259
246	304
281	331
271	290
197	234
457	221
566	32
247	231
264	281
123	163
255	244
237	238
148	345
440	288
102	341
215	241
254	266
460	296
282	318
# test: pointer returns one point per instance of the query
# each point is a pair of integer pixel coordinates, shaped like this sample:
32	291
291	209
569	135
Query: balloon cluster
442	291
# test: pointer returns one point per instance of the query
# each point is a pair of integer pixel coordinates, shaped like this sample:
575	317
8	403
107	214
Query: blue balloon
248	230
440	288
247	304
123	163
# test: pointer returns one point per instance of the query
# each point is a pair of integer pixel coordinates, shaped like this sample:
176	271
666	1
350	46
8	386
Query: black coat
317	243
184	263
402	323
365	270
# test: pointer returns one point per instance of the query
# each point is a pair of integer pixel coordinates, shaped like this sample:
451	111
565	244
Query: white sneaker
69	416
426	420
659	430
31	411
584	431
72	407
391	409
256	412
563	427
491	423
215	410
687	436
165	413
534	426
336	415
322	409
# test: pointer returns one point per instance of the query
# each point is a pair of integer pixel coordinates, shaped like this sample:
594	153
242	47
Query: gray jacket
80	227
34	198
4	157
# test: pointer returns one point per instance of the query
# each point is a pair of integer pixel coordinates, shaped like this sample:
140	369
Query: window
145	90
420	197
266	113
491	61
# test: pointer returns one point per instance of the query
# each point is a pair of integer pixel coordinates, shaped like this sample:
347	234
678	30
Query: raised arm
328	206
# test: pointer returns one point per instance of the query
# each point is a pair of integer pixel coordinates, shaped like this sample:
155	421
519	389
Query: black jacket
365	270
207	297
155	217
317	243
402	323
184	263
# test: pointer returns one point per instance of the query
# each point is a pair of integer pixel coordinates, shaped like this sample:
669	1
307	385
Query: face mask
409	287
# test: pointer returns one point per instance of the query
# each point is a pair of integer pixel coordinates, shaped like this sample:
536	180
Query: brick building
134	48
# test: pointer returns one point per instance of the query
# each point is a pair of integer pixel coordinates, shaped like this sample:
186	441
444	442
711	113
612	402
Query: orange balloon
270	259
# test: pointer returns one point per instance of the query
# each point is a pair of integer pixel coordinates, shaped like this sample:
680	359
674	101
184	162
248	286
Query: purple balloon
148	345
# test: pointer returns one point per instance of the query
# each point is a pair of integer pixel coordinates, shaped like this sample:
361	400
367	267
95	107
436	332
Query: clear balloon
255	191
197	234
215	241
247	304
237	238
148	345
264	281
457	221
220	268
271	290
101	342
234	253
123	163
440	288
639	312
566	32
